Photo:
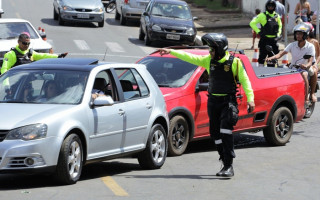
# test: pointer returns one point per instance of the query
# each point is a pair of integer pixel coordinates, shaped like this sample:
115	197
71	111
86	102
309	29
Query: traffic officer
223	70
21	54
270	32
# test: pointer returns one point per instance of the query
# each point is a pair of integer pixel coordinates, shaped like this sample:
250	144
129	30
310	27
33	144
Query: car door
145	18
138	107
108	121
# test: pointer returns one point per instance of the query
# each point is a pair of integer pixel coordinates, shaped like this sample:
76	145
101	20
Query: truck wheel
155	153
178	136
70	160
60	20
55	14
123	19
116	15
141	34
280	128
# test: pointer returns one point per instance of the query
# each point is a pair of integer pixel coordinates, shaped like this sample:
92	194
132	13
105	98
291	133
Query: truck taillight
126	1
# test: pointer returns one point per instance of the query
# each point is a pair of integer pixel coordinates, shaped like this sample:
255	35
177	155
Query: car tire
155	153
178	136
123	20
101	24
60	20
55	14
116	15
147	40
70	160
141	34
280	129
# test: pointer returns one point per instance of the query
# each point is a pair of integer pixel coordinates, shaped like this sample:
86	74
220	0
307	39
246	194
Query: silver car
129	9
59	114
78	11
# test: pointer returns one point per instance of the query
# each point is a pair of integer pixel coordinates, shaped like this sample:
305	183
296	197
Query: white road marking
81	44
114	47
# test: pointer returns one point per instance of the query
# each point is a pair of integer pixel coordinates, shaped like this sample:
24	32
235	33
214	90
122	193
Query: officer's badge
226	68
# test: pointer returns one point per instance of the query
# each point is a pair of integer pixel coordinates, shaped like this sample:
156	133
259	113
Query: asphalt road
261	171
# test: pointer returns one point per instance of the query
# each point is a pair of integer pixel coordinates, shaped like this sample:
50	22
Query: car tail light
126	1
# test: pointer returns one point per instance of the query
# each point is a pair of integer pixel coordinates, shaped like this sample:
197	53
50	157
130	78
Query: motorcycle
309	107
110	6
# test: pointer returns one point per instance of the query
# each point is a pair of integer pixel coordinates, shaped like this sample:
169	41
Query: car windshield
12	30
171	10
42	86
169	72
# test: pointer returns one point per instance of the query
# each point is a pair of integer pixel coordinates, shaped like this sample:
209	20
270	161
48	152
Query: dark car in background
167	20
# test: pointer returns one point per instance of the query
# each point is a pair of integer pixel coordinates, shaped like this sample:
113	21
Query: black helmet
302	27
273	3
217	41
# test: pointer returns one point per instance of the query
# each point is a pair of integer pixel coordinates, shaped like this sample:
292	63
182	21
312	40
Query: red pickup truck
279	99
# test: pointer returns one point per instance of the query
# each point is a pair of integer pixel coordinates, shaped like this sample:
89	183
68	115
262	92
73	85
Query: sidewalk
234	25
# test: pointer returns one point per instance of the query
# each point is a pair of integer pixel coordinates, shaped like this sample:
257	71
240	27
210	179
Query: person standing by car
270	31
21	54
223	111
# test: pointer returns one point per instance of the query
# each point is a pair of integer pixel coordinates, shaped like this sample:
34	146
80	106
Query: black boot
222	169
227	170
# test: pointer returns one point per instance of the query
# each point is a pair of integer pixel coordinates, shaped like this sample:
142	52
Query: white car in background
10	29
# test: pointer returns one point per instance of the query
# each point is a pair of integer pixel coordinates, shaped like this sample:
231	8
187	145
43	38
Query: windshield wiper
164	85
157	15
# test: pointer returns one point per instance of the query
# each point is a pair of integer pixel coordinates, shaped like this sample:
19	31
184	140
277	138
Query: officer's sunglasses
25	43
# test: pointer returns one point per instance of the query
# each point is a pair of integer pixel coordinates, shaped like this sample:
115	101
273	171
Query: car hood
171	22
89	4
18	114
36	44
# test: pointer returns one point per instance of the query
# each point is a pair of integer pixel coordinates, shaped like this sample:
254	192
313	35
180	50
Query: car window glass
128	83
173	10
169	72
42	86
104	85
141	84
14	29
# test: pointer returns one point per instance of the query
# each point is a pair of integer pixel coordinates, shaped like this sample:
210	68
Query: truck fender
185	112
285	101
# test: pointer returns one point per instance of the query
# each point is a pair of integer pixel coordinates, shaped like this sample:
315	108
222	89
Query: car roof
4	20
78	64
178	2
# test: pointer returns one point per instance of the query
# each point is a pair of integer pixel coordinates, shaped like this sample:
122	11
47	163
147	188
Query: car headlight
30	132
98	10
190	31
67	8
156	28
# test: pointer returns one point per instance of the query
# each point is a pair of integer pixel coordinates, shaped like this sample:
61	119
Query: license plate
83	16
143	5
173	37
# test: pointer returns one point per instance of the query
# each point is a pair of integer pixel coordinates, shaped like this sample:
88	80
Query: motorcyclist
22	54
298	49
223	69
270	31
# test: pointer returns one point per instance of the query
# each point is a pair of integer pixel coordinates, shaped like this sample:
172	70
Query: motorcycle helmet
302	27
271	3
311	29
217	41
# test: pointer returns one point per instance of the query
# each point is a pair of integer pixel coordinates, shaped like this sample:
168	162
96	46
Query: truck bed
263	72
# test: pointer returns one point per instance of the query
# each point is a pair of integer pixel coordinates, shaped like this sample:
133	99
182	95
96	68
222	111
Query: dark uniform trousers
263	51
220	124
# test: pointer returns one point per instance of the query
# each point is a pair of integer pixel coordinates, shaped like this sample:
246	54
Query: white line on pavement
81	44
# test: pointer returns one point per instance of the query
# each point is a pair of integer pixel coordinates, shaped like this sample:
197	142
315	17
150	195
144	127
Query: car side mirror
202	87
195	18
145	14
103	101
